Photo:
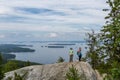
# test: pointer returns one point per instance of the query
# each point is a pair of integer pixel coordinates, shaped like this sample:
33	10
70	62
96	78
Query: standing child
79	53
71	52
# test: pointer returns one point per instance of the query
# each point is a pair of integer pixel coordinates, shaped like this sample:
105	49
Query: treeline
104	47
8	56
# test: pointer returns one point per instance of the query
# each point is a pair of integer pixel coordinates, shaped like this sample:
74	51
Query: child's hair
79	48
70	48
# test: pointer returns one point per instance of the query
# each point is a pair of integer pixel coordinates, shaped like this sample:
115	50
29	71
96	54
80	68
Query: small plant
60	60
72	74
18	77
10	78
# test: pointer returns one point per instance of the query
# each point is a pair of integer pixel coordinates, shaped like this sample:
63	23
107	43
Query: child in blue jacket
79	53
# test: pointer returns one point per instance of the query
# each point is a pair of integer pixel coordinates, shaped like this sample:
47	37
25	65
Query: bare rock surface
55	71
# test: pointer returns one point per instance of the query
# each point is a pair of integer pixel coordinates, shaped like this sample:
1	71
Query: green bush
73	74
60	60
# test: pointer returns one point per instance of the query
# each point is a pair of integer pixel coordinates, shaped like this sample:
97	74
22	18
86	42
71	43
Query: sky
63	20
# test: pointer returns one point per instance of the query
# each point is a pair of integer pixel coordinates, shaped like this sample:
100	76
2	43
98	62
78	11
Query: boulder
55	71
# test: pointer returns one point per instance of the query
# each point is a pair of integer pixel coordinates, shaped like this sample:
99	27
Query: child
79	53
71	52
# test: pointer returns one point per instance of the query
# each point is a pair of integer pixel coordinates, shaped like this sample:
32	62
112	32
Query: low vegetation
73	74
60	59
18	77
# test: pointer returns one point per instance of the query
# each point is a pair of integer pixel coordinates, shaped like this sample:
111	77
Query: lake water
46	55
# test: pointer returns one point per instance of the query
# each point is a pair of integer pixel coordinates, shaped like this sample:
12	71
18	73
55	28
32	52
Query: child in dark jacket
79	53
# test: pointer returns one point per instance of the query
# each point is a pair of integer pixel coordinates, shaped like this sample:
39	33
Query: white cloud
29	27
78	14
2	36
53	35
70	7
4	10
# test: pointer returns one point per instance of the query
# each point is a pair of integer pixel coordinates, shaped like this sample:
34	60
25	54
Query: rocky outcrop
55	71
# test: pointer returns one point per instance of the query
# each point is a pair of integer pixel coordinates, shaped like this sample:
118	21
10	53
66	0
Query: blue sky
50	19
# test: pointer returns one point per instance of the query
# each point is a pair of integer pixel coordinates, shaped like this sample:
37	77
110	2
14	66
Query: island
8	48
5	49
55	46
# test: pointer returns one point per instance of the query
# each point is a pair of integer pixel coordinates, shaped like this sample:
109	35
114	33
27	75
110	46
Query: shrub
73	74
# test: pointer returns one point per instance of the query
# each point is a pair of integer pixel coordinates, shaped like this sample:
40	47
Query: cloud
52	16
57	28
42	11
78	11
4	10
53	35
2	36
33	10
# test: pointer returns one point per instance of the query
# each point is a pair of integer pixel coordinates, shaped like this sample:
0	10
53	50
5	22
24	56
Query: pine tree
92	55
111	40
72	74
111	32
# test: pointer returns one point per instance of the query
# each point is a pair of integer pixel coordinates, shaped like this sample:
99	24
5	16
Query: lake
49	52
